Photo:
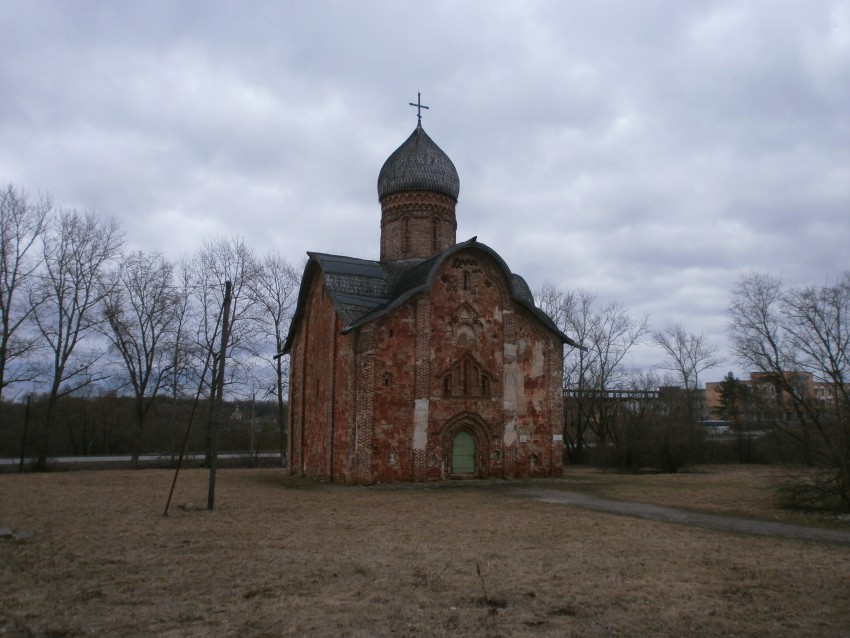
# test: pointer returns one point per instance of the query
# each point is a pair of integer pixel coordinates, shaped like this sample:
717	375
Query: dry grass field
283	557
747	491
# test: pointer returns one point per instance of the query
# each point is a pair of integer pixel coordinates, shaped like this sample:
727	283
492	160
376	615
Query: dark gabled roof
364	290
356	286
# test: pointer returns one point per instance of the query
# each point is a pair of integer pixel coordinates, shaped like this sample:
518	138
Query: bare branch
22	224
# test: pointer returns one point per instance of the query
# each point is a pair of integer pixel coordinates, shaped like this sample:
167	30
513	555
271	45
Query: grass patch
284	557
748	491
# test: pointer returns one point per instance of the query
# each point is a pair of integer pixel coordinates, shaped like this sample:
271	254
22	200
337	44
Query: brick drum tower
432	362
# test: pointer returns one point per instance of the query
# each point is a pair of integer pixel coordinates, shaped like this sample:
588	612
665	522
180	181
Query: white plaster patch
514	388
537	360
510	432
522	346
420	424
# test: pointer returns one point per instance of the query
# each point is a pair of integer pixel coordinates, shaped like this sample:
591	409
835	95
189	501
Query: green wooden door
463	453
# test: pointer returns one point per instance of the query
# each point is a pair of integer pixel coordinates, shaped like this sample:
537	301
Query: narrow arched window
434	234
405	246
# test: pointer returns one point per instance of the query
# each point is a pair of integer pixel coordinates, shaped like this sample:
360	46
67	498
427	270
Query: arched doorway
463	453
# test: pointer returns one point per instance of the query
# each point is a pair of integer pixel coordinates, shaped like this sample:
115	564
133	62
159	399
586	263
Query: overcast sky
648	151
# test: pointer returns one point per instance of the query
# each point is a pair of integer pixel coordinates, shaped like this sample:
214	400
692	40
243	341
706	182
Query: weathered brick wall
394	392
416	224
464	356
539	413
385	402
341	435
318	397
468	301
362	400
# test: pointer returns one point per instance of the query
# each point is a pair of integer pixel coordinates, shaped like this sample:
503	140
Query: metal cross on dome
419	106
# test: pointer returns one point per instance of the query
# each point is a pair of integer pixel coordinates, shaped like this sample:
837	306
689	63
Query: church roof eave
355	286
363	291
520	292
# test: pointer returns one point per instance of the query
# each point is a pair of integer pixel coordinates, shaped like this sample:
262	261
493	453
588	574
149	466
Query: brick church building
432	362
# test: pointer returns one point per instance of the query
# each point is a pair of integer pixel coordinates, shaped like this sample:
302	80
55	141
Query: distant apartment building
764	397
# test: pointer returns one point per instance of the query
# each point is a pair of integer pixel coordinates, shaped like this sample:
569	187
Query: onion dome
418	164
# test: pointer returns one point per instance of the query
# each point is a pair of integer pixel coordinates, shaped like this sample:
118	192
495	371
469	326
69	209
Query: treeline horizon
103	425
83	315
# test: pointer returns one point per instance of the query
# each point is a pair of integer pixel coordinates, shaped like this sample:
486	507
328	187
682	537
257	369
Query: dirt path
683	517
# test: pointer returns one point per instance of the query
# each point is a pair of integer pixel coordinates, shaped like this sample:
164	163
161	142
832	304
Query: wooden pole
219	393
191	418
188	429
253	401
24	437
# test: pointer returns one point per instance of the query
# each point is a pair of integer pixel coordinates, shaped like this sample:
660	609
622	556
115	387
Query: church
432	362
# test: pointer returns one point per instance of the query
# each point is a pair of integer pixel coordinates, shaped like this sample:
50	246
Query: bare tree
77	249
817	331
791	337
755	327
219	261
275	290
141	306
758	341
182	375
634	430
22	223
687	355
608	334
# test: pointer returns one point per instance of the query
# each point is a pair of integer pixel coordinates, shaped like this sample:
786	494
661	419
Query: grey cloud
649	151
